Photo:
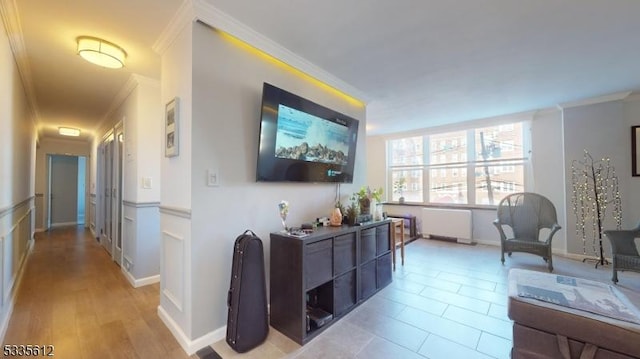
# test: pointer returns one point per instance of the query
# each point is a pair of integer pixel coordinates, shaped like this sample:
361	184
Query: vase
365	206
377	214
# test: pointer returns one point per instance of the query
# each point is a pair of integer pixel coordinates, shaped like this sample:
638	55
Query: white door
116	196
110	183
106	238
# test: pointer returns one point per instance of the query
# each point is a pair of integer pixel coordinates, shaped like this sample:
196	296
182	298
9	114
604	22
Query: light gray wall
547	165
227	90
602	130
631	113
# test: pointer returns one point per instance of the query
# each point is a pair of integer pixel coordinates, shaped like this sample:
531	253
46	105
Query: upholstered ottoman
565	317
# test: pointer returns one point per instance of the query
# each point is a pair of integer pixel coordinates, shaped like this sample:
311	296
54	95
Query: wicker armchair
624	250
527	214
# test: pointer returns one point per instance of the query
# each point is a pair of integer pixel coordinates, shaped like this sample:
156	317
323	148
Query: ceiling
417	63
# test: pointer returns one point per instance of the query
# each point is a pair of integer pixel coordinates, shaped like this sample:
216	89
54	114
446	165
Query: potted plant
364	197
398	187
352	211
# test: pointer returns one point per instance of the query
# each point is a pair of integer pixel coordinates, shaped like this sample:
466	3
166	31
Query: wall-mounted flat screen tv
301	141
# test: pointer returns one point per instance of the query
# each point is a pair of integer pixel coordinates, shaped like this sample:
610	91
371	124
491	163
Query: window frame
434	172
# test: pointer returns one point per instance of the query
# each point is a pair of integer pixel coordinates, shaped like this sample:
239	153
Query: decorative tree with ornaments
595	190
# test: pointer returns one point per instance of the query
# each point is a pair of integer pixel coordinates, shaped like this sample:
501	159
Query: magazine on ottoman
582	294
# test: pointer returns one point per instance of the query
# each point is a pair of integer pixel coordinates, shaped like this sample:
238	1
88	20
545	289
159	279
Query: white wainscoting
141	243
174	268
16	233
92	214
175	277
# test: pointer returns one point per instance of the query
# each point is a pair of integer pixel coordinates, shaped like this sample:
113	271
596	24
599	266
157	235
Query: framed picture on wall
635	147
171	126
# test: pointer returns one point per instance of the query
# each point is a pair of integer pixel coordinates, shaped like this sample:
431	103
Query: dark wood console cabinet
334	269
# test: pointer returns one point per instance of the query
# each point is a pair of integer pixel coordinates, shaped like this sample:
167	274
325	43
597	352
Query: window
477	166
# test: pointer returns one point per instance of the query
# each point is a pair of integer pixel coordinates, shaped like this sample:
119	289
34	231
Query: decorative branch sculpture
595	188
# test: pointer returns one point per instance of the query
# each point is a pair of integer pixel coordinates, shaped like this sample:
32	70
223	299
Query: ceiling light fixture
101	52
67	131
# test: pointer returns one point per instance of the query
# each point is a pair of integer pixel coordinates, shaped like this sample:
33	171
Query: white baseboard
188	345
136	283
488	242
39	230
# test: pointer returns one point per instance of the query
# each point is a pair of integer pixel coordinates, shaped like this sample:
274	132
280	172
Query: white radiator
451	223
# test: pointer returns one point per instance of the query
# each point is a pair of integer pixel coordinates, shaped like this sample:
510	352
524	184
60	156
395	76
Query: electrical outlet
213	178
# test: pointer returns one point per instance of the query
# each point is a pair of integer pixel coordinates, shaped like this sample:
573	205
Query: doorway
66	184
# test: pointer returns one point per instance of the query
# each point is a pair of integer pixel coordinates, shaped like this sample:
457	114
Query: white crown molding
185	15
202	10
119	98
217	19
132	82
11	20
595	100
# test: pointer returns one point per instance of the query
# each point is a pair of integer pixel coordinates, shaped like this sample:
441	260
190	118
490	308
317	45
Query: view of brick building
489	161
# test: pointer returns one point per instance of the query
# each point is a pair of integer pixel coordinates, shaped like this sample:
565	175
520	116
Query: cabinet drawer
318	263
382	239
367	245
344	292
344	253
368	280
383	270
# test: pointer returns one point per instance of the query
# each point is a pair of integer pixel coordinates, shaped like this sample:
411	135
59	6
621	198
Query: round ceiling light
101	52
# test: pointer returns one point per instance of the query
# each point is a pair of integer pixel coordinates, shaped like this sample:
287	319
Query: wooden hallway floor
74	297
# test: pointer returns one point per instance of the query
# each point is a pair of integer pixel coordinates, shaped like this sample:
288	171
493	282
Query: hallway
74	297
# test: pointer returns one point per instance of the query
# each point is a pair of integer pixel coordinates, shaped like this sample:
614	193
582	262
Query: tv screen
301	141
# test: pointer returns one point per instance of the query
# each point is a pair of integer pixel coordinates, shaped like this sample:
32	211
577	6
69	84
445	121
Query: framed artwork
171	126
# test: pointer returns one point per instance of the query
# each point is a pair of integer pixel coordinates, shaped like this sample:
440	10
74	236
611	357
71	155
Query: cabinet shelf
334	269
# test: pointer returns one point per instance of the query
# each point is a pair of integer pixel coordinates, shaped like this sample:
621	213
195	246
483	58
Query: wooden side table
411	219
395	224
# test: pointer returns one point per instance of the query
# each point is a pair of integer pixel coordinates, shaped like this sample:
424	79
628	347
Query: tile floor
448	301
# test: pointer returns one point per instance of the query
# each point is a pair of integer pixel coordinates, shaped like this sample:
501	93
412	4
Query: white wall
227	83
221	133
175	193
17	178
138	108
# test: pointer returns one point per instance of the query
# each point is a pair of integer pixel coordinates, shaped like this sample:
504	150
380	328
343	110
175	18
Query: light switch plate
146	182
213	178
